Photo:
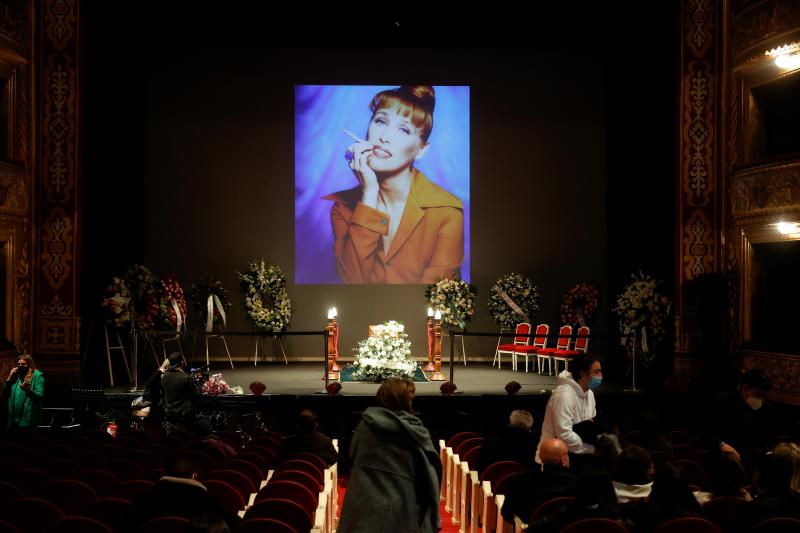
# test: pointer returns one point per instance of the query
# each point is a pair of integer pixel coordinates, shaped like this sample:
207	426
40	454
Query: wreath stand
275	336
118	346
463	351
213	300
633	367
220	335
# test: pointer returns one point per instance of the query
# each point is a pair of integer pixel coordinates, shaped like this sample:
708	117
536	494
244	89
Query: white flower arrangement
522	291
454	298
386	354
641	308
268	305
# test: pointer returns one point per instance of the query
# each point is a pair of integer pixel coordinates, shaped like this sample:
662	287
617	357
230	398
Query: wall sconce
788	228
786	57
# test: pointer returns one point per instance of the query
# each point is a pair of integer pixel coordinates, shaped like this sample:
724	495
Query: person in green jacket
24	388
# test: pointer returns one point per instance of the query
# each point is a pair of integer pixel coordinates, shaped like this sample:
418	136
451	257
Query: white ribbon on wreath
213	300
512	304
178	316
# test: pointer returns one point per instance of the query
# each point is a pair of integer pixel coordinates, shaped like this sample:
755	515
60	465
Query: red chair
201	460
7	527
564	333
9	492
113	512
695	472
264	525
71	524
31	481
467	445
62	468
131	489
237	480
550	506
496	471
311	458
298	476
581	346
226	494
270	441
287	511
9	467
217	455
460	437
779	524
32	514
125	469
267	454
70	495
724	511
521	339
539	342
471	457
595	525
88	458
260	462
305	466
166	524
145	460
289	490
688	524
246	468
502	484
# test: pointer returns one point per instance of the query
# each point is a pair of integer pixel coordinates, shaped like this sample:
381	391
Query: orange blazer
428	245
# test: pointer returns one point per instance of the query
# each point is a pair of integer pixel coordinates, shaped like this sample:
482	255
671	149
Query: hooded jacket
395	480
567	406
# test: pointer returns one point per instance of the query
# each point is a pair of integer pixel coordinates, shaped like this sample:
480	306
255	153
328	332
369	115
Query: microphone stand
134	352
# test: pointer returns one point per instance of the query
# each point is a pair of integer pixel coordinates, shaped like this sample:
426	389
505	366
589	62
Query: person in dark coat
395	479
307	438
177	396
536	485
516	442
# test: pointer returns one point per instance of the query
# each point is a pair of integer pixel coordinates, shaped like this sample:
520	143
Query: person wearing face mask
24	388
741	422
396	225
571	403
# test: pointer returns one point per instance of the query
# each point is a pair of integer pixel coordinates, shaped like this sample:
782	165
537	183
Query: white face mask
754	403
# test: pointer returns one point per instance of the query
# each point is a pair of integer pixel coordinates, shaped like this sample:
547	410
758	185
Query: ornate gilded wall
699	191
16	174
57	319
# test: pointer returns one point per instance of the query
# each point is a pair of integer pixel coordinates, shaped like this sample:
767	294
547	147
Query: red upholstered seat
101	481
539	342
460	437
581	346
70	495
113	512
521	339
564	333
31	514
310	457
305	466
496	471
289	490
595	525
71	524
467	445
238	480
550	506
688	524
226	494
132	488
779	524
166	524
264	525
304	478
287	511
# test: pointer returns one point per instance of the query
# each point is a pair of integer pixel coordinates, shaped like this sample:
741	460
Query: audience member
515	443
634	475
573	402
772	495
790	453
205	433
307	438
395	479
670	497
726	478
177	396
741	421
538	484
24	388
179	494
208	523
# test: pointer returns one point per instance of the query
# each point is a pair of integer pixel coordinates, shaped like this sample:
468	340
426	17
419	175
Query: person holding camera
177	395
24	388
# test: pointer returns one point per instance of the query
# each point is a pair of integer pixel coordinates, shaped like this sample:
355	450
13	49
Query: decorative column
437	348
699	201
56	276
429	367
333	338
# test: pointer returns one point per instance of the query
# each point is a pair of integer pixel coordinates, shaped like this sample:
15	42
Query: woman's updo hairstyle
413	101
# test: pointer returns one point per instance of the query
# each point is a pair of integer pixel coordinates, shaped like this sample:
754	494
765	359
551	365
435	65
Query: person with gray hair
515	442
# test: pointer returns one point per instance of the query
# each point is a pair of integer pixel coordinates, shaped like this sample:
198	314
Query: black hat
175	359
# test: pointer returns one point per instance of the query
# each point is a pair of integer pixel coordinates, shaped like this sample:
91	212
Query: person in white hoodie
572	402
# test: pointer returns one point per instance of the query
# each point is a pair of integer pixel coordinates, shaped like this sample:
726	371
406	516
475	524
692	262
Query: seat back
264	525
254	473
305	466
495	471
71	524
724	511
471	456
522	330
458	438
70	495
237	480
225	494
467	445
779	524
292	513
32	514
688	524
113	512
595	525
298	476
289	490
564	333
166	524
132	488
550	506
582	342
542	330
310	457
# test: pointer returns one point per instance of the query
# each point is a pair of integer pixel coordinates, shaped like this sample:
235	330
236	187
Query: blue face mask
595	382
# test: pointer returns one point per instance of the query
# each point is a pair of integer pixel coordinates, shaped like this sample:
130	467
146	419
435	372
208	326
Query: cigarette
352	135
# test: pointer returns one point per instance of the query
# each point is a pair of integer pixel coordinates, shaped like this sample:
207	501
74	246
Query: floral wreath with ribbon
579	304
143	287
117	303
642	312
454	298
210	300
268	306
172	303
513	299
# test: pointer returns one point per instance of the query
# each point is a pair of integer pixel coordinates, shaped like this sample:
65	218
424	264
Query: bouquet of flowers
198	296
513	299
117	302
215	385
643	310
385	354
268	306
579	304
454	298
143	285
170	292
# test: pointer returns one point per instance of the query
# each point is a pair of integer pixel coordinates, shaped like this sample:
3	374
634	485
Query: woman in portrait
396	225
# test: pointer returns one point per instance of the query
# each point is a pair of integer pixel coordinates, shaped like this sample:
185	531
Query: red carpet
447	525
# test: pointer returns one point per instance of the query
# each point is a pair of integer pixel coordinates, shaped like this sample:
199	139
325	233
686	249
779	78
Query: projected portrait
390	202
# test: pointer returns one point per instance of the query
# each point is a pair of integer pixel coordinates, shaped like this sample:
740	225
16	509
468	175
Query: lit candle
438	315
430	311
331	315
335	313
